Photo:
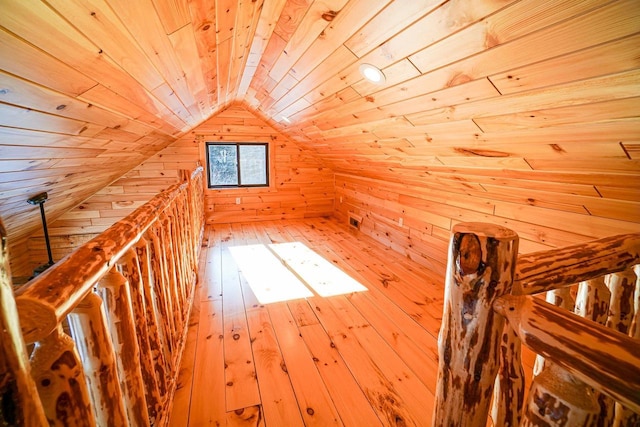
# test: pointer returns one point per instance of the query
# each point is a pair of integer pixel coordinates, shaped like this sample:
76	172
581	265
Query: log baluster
191	236
555	393
114	290
172	276
152	364
508	394
177	258
480	269
558	398
590	352
162	292
593	300
145	295
622	286
562	298
634	330
18	394
89	329
191	263
62	387
592	303
621	313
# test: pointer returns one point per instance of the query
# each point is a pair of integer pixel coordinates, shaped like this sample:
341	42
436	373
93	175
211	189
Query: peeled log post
57	371
621	313
89	329
480	269
114	290
18	396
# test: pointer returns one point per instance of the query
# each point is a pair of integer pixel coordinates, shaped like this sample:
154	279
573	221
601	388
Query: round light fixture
372	73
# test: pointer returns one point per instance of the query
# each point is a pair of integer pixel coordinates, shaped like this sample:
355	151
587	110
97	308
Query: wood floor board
182	397
350	400
358	358
240	376
391	388
278	398
315	402
208	390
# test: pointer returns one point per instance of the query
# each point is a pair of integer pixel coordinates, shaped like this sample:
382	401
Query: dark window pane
253	164
223	165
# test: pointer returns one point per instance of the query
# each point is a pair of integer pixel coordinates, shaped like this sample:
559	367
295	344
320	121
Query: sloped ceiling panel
89	89
500	97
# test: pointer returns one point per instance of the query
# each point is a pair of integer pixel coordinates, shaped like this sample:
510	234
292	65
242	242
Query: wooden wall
300	187
547	215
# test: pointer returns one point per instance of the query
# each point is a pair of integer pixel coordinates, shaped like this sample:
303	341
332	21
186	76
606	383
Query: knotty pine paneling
526	110
416	218
300	187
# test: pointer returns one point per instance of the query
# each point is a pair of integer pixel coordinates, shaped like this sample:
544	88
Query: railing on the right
586	335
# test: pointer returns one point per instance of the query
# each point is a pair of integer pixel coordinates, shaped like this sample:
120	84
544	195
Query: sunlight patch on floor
288	271
323	276
269	279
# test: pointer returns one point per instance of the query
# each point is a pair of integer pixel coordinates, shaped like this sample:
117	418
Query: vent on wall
354	220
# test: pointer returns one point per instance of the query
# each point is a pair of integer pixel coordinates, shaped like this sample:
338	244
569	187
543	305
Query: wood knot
330	15
236	337
369	99
310	411
470	254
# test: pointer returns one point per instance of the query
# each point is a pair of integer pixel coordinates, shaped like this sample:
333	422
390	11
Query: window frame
238	166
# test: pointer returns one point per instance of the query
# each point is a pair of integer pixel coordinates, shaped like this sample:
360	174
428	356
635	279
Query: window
239	164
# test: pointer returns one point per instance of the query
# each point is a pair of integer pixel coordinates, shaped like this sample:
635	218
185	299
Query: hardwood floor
362	358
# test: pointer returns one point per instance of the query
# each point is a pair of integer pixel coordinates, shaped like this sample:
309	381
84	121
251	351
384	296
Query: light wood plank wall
415	216
300	187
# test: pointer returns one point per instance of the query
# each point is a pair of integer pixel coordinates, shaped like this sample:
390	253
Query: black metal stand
39	200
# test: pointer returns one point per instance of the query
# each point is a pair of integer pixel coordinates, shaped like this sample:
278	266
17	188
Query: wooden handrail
17	386
45	301
605	359
121	366
543	271
591	372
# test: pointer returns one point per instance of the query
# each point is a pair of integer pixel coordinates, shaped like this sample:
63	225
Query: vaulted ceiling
529	94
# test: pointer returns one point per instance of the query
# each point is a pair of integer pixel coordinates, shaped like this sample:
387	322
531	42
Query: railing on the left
125	297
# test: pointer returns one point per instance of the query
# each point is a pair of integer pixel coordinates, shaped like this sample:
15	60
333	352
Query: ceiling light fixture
286	119
372	73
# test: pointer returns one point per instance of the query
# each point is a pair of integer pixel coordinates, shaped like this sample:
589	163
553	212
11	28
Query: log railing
125	296
587	335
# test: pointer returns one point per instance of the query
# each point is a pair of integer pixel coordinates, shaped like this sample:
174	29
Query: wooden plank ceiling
497	96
